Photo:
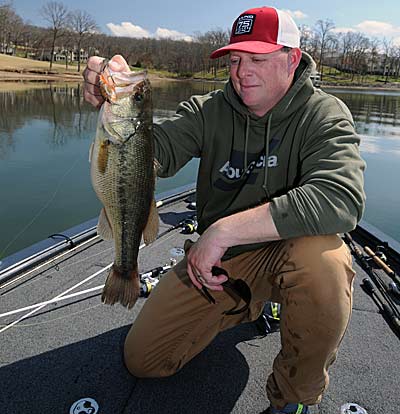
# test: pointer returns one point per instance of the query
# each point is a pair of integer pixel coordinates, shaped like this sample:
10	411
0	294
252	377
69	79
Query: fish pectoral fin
91	152
104	229
150	232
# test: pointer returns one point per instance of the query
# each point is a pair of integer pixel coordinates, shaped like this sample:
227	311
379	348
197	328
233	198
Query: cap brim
249	47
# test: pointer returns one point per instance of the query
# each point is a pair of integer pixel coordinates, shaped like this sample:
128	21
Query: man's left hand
202	256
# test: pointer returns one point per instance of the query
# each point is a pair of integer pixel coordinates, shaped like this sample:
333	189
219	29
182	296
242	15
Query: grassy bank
14	69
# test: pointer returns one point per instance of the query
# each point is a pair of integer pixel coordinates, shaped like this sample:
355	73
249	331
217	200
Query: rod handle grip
379	261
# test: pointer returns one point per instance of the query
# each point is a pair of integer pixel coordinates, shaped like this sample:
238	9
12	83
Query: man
280	175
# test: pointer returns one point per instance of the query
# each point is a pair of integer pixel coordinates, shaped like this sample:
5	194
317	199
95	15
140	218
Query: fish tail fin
118	288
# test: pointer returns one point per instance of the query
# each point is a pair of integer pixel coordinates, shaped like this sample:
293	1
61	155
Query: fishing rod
51	254
188	225
147	285
148	281
362	258
26	266
384	308
385	289
394	285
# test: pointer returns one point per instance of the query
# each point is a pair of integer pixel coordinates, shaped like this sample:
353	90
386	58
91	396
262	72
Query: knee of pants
141	364
323	265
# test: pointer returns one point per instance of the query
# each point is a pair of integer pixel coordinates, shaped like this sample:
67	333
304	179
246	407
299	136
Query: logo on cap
245	24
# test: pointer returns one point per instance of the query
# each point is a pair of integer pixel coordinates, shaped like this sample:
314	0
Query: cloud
128	29
296	14
343	30
172	34
374	27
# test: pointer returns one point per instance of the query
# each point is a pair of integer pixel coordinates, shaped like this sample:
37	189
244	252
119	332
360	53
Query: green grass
222	74
330	75
335	76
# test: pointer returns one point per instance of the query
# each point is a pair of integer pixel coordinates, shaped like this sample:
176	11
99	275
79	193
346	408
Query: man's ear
294	57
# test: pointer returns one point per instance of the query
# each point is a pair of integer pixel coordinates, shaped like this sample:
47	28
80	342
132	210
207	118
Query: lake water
45	136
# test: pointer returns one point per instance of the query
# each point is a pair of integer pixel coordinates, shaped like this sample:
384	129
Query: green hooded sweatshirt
302	156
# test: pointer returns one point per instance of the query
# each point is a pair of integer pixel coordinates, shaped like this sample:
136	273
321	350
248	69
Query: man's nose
244	69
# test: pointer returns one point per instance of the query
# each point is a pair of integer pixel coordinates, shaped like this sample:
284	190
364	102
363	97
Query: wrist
222	232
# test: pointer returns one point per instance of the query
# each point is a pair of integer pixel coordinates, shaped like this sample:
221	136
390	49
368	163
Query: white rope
48	302
57	297
41	306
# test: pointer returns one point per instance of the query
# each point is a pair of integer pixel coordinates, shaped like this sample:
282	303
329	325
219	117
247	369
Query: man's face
261	80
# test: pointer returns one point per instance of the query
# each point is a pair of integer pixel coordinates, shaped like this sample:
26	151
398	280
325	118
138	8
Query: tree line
352	52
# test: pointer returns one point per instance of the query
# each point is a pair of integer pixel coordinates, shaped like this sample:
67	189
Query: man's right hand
91	75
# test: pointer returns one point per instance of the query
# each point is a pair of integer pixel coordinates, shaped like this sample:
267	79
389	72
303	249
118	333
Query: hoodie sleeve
180	138
329	197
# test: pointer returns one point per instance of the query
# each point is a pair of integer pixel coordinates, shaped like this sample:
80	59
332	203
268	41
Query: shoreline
17	72
17	79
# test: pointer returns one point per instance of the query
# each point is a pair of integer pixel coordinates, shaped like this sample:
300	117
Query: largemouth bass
123	176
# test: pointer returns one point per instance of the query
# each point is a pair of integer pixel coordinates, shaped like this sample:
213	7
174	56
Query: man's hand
249	226
91	75
202	256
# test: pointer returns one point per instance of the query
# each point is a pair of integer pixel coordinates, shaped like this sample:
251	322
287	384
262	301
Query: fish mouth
117	85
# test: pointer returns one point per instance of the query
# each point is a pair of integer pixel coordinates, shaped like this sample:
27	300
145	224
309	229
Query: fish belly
125	186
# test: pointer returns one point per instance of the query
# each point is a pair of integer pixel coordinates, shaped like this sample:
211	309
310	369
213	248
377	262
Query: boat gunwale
45	250
39	253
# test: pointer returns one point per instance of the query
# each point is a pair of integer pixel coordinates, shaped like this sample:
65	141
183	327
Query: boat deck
73	349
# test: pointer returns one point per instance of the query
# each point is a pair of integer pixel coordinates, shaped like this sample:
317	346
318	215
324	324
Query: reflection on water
377	118
45	136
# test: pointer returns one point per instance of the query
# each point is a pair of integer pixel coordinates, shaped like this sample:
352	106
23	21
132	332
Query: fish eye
138	97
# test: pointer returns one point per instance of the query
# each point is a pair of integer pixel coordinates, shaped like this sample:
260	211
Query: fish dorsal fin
104	229
151	230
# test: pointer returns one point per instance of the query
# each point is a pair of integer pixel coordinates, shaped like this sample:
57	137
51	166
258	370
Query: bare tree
82	25
214	39
396	55
333	45
388	51
10	28
358	50
373	54
308	40
68	45
344	44
56	14
322	29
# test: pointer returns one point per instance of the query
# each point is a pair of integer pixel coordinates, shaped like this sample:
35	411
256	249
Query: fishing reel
380	251
192	205
189	226
150	279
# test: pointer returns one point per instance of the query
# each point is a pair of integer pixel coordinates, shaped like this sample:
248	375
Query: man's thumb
118	63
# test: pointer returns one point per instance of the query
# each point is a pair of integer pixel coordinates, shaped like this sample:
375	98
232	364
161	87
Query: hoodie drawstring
267	134
246	142
266	139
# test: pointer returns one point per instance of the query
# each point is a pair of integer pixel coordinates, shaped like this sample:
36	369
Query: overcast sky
181	19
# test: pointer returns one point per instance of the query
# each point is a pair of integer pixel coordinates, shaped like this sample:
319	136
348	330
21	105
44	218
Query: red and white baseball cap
261	30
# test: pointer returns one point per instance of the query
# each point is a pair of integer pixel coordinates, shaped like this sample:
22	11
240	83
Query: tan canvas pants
310	276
